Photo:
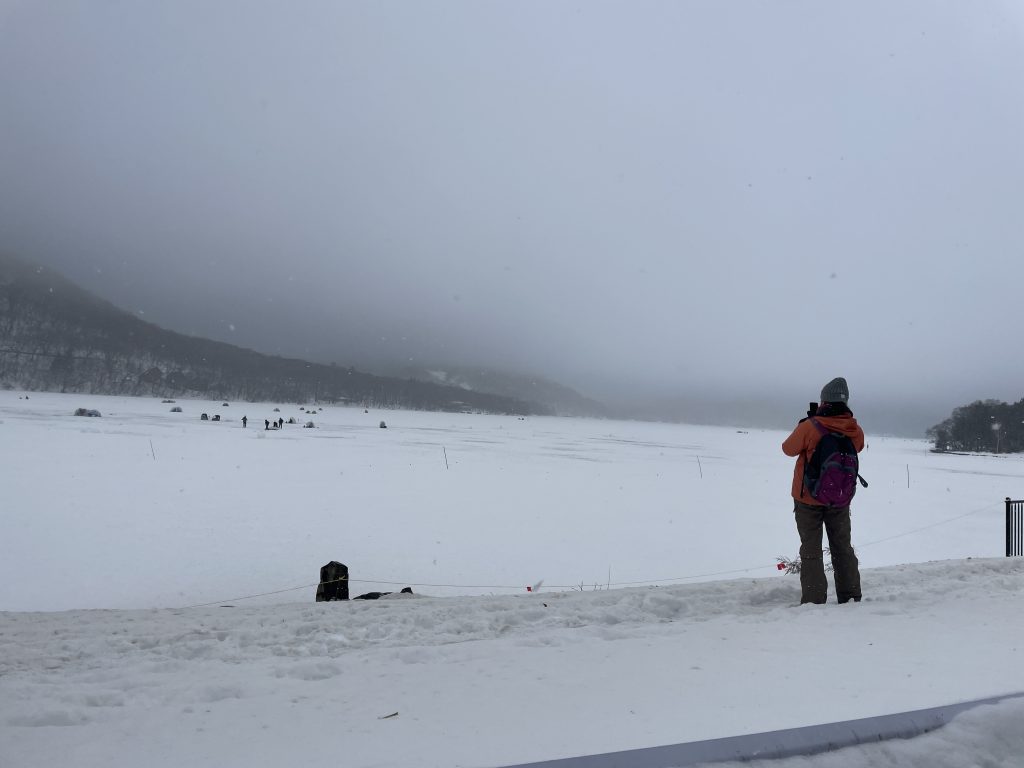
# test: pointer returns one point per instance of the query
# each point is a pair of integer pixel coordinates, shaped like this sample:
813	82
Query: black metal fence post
1014	528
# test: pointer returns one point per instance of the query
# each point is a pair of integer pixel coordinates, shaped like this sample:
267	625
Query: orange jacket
802	442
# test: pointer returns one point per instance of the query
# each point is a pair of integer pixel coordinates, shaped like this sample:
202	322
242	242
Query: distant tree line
985	425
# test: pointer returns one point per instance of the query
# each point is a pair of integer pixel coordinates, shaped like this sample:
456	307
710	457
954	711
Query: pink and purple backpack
831	474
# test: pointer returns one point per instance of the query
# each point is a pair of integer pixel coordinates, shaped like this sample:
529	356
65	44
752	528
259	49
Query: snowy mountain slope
561	400
59	337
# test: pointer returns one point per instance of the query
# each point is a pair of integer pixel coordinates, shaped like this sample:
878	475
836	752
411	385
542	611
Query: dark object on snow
266	424
167	401
225	404
245	420
379	595
333	582
277	410
216	417
291	420
176	409
383	425
1014	528
204	417
84	411
308	425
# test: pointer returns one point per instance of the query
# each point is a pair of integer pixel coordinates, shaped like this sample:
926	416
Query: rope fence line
249	597
609	585
356	581
935	524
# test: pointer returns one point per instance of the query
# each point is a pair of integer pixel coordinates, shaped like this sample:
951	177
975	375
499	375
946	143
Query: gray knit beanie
836	391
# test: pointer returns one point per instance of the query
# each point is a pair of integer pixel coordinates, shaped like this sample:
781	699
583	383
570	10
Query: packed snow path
486	681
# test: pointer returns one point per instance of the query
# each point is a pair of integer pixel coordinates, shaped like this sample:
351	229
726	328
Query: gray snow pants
813	585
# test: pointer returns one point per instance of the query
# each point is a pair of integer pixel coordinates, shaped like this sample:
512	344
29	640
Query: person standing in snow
834	415
244	422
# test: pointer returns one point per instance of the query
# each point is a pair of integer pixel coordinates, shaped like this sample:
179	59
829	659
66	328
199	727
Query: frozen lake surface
114	526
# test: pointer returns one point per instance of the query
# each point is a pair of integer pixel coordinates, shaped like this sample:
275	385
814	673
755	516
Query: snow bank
499	680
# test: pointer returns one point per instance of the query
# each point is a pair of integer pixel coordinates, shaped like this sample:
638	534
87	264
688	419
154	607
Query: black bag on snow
333	582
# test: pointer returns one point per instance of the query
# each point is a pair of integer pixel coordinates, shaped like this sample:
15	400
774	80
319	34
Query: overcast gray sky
740	198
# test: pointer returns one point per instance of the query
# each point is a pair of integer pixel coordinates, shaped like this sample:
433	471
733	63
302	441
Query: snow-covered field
114	527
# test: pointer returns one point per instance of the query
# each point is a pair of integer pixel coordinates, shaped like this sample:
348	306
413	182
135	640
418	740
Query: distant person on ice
244	422
266	423
824	499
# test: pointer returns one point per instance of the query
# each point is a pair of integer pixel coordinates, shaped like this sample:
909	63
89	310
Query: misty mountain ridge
55	336
563	400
